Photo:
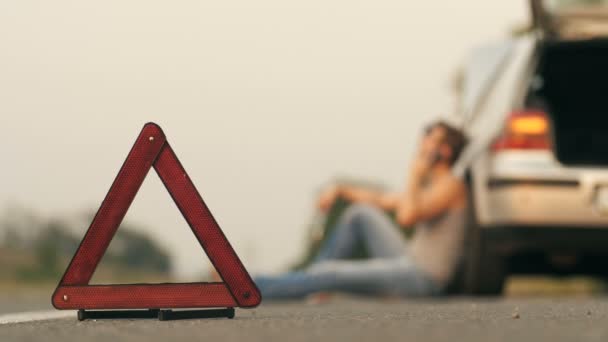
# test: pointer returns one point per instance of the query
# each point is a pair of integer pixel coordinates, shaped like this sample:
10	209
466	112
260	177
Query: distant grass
121	275
16	286
521	286
530	286
8	288
21	273
13	282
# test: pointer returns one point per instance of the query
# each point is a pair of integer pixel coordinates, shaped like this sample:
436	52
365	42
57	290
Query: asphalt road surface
569	319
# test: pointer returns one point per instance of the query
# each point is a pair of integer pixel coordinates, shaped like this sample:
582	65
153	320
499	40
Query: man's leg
380	277
363	224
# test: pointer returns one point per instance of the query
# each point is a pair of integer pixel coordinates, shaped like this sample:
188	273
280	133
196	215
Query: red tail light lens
525	130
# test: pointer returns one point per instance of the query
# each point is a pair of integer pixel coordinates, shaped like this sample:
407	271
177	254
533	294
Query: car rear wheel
484	269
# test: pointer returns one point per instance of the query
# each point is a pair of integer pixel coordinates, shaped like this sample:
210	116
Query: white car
536	110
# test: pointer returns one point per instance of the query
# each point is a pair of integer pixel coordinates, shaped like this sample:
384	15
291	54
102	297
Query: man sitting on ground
433	202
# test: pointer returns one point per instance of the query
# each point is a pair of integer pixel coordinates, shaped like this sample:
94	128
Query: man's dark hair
454	138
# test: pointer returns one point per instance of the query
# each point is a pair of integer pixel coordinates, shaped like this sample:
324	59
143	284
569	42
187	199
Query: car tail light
525	130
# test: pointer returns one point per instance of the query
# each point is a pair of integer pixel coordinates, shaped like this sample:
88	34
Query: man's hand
328	198
421	165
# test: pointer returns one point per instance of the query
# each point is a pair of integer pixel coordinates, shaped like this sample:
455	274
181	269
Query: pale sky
263	102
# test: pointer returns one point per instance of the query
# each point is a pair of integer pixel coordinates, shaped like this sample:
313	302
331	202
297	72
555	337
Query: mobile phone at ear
436	157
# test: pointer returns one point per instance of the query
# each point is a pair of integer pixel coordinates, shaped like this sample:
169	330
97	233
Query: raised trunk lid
570	19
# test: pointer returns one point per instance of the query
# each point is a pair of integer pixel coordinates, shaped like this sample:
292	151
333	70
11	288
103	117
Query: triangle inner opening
153	244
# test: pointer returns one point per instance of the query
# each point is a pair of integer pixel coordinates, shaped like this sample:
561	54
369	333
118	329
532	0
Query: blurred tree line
34	249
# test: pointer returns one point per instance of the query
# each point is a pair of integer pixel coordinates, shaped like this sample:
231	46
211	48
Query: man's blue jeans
388	272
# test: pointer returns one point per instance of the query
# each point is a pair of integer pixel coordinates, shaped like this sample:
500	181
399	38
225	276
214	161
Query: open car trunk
572	86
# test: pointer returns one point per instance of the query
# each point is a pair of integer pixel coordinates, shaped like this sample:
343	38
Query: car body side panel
489	119
483	67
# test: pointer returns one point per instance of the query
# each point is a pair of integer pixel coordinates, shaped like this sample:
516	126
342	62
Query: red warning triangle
151	149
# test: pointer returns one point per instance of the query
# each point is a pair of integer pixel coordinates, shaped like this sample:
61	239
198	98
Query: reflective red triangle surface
151	149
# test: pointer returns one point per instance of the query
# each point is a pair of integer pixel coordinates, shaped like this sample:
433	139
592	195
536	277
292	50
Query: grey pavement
461	319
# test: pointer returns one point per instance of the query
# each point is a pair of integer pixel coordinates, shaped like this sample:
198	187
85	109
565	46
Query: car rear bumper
541	202
532	189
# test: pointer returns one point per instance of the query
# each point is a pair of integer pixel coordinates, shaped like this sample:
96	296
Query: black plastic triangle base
161	315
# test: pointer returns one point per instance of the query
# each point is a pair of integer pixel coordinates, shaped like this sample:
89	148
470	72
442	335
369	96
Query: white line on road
34	316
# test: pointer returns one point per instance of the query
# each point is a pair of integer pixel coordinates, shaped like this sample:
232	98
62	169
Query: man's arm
420	203
386	201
